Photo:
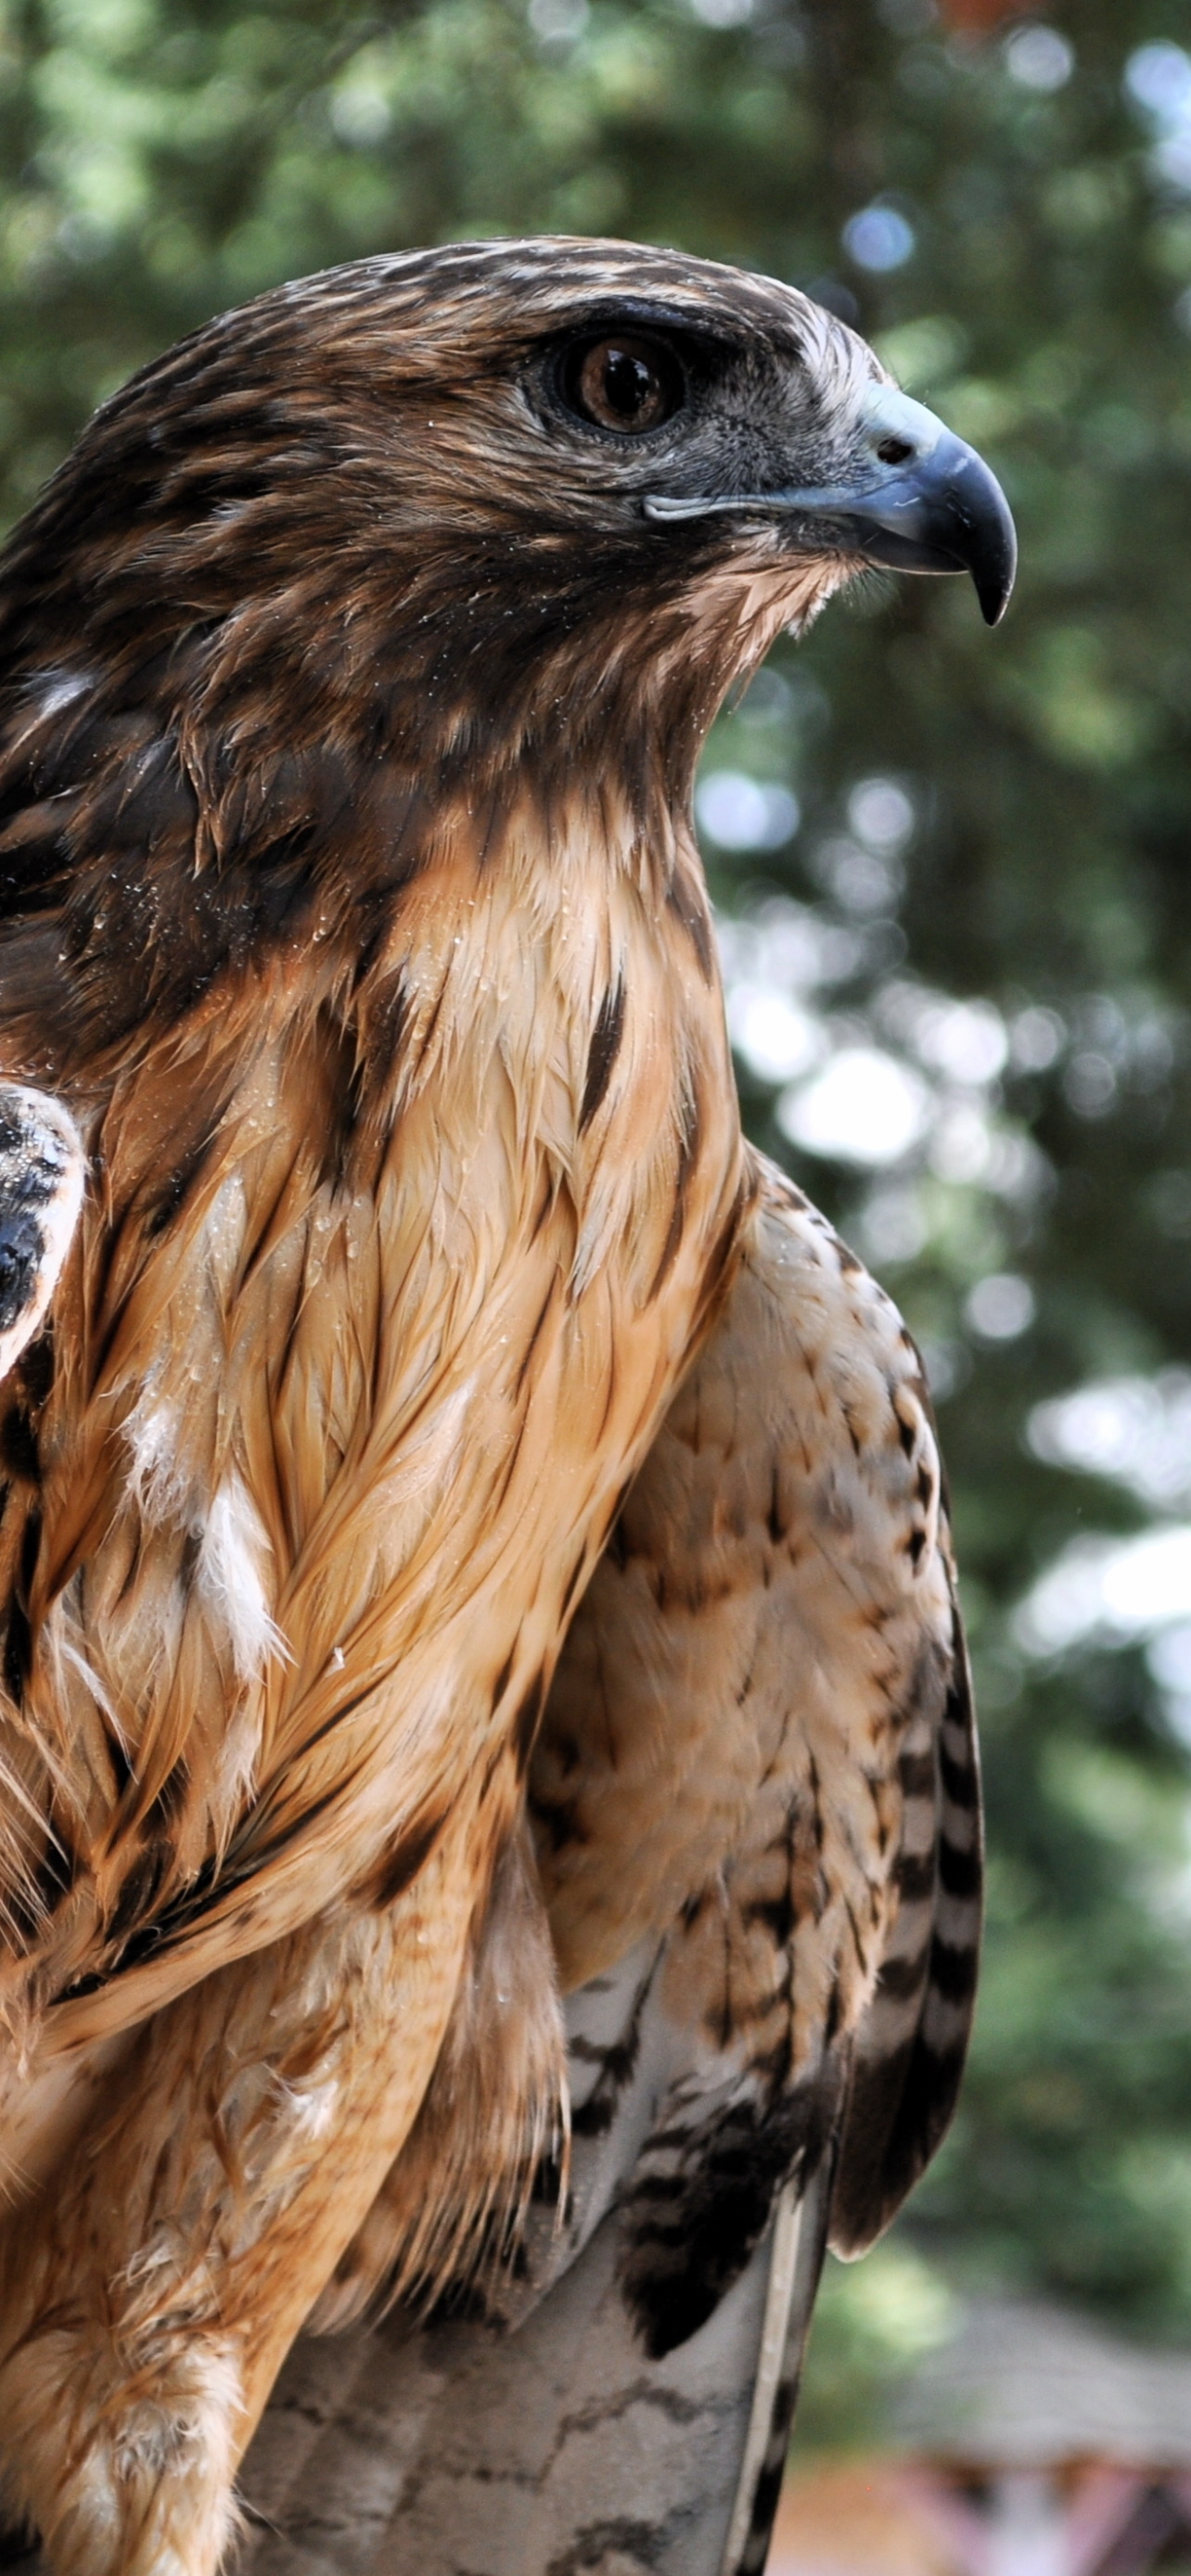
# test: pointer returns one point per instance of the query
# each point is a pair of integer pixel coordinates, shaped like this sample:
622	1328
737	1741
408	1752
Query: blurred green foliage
164	158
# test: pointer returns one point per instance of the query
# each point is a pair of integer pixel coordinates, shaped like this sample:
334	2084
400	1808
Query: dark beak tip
990	552
994	591
961	522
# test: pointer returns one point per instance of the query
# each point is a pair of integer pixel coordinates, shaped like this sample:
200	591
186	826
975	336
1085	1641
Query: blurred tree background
954	869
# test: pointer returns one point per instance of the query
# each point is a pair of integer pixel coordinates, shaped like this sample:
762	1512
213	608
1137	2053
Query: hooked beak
923	501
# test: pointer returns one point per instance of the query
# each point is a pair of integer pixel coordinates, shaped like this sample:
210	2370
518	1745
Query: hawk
489	1814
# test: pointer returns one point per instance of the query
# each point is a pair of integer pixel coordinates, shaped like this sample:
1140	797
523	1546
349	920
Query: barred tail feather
912	2041
797	2244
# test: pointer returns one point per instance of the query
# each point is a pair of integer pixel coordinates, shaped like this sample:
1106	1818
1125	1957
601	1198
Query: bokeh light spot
864	1107
1039	58
1000	1308
878	238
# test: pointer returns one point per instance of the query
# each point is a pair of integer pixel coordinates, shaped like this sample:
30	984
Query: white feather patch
310	2107
61	690
233	1559
160	1480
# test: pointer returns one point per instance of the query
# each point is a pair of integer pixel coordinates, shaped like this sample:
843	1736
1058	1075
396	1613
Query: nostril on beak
894	451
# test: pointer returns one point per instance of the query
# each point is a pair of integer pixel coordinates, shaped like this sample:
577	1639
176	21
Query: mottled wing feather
42	1171
770	1656
910	2047
755	1801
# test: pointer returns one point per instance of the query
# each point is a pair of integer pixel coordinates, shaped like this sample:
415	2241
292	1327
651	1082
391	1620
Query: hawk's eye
623	383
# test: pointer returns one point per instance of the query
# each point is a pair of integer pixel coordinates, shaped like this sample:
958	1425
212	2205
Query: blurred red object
874	2517
975	17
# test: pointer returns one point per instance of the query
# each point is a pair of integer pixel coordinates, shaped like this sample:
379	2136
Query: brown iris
623	383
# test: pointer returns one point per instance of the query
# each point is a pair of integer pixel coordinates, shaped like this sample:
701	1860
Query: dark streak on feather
527	1722
34	1371
19	1454
688	906
398	1871
172	1197
688	1147
603	1051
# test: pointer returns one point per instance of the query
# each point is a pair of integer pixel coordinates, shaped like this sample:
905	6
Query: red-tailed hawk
425	1310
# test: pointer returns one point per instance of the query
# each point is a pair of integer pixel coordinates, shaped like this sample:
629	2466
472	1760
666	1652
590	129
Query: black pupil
628	384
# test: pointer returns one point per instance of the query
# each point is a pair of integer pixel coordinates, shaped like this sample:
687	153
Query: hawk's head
608	392
475	472
436	518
